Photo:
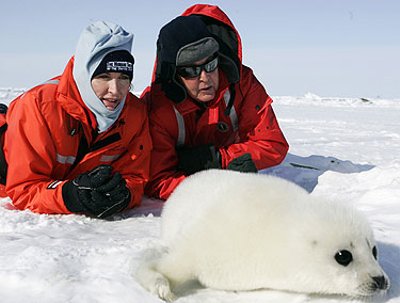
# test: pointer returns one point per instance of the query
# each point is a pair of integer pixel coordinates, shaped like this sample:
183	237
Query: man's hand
244	164
194	159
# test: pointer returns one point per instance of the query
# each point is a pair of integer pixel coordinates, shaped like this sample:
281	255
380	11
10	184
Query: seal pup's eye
375	252
344	257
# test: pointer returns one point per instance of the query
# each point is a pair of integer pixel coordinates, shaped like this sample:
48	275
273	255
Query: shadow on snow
304	171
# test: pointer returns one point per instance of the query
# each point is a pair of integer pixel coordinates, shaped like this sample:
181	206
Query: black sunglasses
195	70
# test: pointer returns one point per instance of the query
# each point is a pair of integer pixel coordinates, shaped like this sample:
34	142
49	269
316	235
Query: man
207	110
80	142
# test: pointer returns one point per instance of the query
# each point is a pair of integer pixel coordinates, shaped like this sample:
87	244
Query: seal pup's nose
380	282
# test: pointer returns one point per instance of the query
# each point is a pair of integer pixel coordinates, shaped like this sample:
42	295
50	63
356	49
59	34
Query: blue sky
342	48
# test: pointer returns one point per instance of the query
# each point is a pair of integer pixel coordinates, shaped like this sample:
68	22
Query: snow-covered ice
342	148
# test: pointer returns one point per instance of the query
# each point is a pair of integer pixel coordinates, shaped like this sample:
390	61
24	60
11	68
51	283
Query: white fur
236	231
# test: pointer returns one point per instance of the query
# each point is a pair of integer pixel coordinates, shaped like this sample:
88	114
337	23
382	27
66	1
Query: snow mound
312	99
9	94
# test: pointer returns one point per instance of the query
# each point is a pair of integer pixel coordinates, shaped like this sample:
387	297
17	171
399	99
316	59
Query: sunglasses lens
195	71
189	72
211	66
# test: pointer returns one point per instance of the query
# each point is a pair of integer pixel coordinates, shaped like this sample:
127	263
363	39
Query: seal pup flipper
151	278
155	282
163	270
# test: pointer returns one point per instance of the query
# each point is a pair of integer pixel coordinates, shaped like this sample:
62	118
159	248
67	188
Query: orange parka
45	129
250	126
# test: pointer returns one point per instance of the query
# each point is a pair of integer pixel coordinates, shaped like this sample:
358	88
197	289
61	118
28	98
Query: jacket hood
197	22
222	28
95	42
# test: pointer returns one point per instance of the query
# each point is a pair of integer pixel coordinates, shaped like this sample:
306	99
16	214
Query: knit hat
120	61
195	51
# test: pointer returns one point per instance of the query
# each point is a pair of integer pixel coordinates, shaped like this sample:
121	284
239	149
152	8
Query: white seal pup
236	231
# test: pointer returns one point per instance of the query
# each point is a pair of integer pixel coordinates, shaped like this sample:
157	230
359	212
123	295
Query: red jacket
41	143
251	126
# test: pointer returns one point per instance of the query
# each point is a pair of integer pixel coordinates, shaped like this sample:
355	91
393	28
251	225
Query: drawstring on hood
96	41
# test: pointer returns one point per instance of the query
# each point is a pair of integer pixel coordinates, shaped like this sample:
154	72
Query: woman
80	143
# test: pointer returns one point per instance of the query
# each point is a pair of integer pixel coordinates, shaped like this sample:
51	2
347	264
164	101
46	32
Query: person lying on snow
207	109
80	142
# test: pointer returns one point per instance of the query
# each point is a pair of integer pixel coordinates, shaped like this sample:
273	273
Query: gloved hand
97	193
244	164
194	159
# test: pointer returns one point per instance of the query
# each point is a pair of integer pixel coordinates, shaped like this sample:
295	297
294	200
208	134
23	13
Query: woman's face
111	88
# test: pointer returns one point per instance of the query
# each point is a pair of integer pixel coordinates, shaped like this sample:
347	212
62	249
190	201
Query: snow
342	148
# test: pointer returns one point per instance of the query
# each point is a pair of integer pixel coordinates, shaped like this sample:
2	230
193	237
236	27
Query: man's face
204	86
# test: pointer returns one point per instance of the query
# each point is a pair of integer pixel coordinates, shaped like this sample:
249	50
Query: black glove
96	193
194	159
244	164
